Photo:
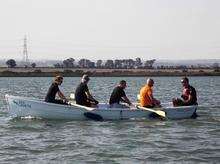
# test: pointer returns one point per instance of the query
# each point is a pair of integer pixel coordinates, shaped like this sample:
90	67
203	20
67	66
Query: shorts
86	103
116	105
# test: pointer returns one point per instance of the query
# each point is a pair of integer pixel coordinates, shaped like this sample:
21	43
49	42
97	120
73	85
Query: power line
25	51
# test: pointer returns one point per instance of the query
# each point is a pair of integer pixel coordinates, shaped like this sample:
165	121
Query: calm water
154	141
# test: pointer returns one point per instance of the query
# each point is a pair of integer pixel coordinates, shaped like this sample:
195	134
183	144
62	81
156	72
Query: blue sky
111	29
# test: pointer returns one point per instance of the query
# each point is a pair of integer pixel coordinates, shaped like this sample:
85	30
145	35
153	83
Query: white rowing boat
23	107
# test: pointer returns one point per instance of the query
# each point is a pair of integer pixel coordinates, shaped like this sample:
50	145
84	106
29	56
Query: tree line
108	64
137	63
86	63
11	63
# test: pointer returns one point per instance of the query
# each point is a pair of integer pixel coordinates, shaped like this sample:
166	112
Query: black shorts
57	102
179	102
86	103
149	106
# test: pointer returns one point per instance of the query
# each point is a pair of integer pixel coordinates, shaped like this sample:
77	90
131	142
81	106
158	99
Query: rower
118	95
146	95
188	96
82	94
53	90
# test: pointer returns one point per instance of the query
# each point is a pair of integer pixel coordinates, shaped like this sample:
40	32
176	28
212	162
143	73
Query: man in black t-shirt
189	96
53	90
119	95
82	94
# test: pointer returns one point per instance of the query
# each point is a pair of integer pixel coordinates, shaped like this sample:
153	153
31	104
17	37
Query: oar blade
93	116
157	112
161	113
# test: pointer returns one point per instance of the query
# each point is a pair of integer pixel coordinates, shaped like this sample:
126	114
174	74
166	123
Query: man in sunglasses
188	96
53	90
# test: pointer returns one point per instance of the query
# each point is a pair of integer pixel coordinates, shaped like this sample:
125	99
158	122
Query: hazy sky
110	29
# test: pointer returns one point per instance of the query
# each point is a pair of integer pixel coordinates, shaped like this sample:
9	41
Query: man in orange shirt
146	95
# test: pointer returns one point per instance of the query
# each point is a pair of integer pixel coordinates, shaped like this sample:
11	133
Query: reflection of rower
82	94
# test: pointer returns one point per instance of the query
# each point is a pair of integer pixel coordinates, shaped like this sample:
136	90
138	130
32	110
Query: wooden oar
158	112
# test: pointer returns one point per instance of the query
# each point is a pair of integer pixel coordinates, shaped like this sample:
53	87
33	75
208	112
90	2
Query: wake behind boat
23	106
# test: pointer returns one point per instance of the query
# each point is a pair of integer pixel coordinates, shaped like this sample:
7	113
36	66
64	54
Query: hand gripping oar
158	112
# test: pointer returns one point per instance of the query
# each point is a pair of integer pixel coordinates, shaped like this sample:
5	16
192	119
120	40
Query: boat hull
181	112
22	107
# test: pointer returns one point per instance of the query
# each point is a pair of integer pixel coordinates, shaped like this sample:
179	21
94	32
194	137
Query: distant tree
66	64
123	63
138	62
130	63
162	67
69	63
192	66
85	63
11	63
149	63
58	65
183	67
216	67
109	64
33	65
91	64
118	63
82	63
99	63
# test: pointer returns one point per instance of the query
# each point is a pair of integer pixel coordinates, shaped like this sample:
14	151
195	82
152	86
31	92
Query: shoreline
77	72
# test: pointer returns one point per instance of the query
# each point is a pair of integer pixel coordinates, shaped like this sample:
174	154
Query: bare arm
189	99
61	95
126	100
153	100
89	96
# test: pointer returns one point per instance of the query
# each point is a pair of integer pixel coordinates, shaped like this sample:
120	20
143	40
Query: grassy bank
71	72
